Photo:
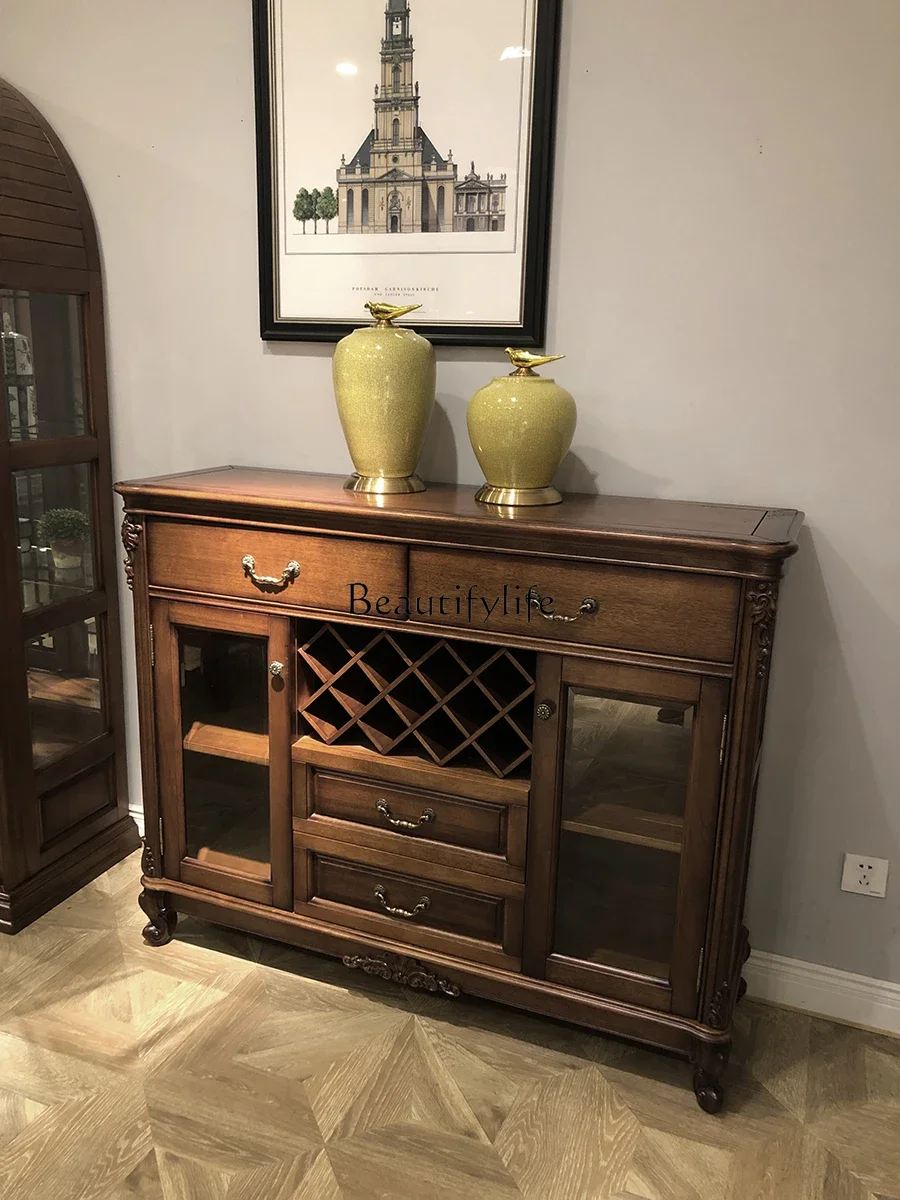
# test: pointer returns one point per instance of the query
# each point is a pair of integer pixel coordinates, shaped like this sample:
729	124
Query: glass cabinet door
636	802
42	340
224	735
54	569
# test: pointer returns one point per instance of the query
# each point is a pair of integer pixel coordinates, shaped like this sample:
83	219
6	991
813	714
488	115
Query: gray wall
725	280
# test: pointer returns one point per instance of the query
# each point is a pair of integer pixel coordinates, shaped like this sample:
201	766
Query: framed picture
405	152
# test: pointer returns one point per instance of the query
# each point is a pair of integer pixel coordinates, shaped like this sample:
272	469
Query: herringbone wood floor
262	1073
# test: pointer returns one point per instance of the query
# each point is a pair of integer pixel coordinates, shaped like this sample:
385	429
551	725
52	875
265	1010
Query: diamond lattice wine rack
454	702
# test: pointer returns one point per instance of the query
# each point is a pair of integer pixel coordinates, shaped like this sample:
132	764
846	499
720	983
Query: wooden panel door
223	709
624	804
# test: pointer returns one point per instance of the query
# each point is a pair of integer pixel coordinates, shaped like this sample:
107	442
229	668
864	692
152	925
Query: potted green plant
65	531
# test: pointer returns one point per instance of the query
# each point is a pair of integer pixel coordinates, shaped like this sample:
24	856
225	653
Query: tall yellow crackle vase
521	427
384	382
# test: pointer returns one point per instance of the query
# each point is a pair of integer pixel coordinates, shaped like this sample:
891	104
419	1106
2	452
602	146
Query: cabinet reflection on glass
625	782
43	364
225	721
65	699
54	510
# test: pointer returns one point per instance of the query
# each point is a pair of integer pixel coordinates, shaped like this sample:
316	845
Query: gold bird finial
385	314
525	362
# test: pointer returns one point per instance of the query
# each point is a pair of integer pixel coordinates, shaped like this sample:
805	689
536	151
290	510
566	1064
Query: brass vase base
518	497
374	485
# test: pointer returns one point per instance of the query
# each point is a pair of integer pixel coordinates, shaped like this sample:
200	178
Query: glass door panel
225	746
43	359
65	696
55	534
627	767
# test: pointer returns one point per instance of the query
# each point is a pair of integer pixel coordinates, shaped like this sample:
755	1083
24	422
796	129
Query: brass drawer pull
403	913
405	826
587	609
269	582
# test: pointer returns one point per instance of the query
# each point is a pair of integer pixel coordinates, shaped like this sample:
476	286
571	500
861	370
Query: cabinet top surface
300	496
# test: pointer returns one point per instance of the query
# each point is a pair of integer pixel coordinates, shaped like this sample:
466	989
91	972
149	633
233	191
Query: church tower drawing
398	181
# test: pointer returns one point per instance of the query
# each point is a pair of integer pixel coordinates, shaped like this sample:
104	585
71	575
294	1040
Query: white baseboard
839	995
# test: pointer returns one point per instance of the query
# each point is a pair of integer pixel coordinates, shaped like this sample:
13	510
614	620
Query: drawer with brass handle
487	836
404	901
677	613
301	570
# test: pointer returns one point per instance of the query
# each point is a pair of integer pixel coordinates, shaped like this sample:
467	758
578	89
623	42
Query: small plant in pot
65	531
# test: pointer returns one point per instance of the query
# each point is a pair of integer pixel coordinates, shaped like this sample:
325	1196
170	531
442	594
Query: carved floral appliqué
405	971
131	536
763	600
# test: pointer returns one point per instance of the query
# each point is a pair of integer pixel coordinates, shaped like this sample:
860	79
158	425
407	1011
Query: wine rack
452	701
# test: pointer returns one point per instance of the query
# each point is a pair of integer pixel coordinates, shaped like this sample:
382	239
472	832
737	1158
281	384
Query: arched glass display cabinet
63	786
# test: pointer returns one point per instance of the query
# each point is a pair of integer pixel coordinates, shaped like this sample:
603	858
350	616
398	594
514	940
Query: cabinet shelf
619	823
221	742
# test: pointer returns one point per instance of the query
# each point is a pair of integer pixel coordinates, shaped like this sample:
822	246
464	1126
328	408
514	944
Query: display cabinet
507	753
63	791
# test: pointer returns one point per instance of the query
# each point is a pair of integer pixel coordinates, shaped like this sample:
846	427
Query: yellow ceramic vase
384	382
521	427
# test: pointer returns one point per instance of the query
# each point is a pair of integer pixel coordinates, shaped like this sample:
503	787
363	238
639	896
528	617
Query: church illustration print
398	181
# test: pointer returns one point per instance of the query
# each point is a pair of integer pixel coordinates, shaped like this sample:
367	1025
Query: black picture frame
532	332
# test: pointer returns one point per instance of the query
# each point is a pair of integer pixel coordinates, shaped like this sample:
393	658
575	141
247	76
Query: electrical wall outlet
865	875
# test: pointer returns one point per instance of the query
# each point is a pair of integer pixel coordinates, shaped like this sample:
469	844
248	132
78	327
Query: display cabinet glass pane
54	509
65	697
43	364
225	723
627	766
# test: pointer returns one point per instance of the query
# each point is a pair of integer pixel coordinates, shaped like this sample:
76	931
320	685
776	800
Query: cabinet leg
710	1064
162	918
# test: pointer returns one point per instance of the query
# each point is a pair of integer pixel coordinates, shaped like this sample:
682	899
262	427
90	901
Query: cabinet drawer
654	611
473	835
413	903
210	559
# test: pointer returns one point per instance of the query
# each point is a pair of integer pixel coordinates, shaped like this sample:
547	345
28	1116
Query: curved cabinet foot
742	989
710	1062
161	918
709	1091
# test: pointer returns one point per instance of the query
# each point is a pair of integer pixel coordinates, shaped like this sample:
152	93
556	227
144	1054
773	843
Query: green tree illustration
327	207
304	207
315	196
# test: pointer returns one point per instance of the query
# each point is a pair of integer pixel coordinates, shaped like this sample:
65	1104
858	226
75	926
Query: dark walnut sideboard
505	753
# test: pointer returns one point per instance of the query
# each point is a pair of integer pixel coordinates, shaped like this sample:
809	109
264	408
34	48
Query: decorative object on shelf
384	382
521	427
391	206
65	530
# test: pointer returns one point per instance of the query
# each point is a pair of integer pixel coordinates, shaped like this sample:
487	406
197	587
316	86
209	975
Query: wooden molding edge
824	992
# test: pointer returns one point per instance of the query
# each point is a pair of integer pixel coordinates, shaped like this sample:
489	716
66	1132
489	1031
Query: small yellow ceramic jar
384	383
521	427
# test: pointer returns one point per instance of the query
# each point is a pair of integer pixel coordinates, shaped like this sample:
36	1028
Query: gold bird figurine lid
525	362
386	314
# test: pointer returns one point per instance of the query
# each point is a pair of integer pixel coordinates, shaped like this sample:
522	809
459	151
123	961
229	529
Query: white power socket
865	875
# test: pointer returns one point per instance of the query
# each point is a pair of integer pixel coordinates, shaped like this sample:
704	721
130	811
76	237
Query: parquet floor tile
223	1067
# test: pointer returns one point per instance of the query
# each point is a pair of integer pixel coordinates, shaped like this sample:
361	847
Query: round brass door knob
276	670
545	711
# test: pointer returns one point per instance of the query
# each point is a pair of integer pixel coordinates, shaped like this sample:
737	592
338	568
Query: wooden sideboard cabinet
504	753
